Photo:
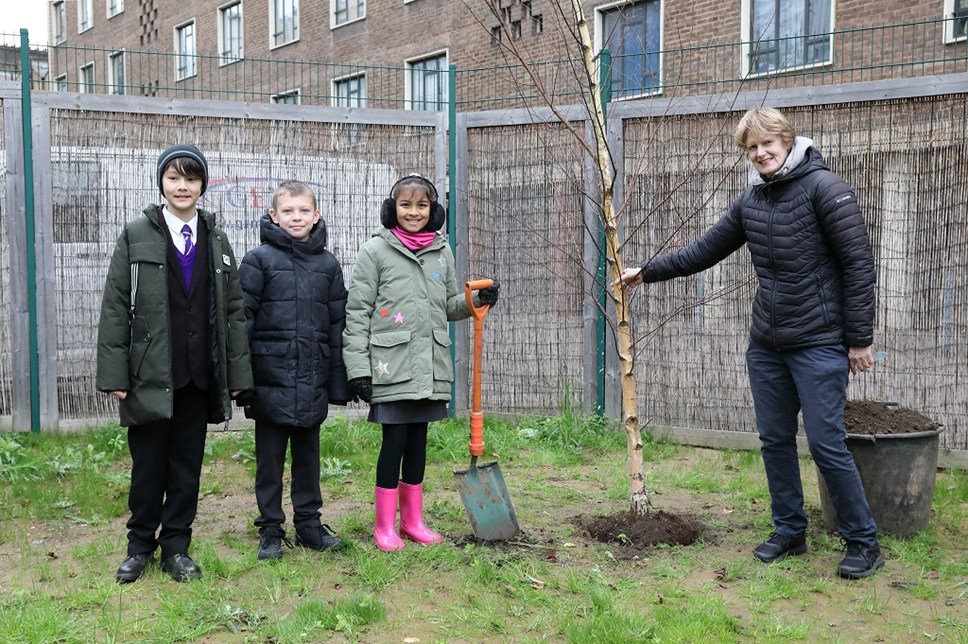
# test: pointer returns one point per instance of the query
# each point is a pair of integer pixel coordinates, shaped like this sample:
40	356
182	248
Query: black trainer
318	537
270	543
860	561
779	547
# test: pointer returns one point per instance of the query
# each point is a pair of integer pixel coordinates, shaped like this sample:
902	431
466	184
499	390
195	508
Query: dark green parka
134	355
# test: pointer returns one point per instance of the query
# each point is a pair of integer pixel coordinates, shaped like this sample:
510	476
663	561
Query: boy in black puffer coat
295	306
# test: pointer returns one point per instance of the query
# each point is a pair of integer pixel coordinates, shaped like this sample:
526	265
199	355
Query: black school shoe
181	567
270	542
132	568
779	547
860	561
318	537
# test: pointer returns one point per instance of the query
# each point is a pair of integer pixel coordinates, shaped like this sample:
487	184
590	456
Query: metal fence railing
849	55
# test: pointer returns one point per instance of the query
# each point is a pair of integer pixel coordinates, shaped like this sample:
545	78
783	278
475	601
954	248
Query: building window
350	91
427	86
87	79
632	33
956	11
60	83
85	15
115	7
185	51
58	20
116	69
286	98
345	11
787	34
230	33
284	22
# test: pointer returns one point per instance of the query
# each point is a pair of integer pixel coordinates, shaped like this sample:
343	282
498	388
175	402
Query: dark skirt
400	412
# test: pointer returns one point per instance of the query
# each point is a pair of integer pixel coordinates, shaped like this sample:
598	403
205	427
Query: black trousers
271	442
166	464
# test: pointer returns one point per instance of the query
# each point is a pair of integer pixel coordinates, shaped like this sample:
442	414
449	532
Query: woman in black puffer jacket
812	323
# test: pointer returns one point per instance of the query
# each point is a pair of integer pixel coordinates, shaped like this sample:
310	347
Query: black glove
489	295
362	388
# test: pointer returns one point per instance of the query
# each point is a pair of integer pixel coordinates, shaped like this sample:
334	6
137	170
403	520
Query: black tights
404	444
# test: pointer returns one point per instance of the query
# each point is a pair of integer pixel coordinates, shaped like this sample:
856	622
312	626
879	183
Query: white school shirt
175	226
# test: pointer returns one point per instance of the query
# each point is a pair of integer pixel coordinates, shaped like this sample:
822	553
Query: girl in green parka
396	347
172	348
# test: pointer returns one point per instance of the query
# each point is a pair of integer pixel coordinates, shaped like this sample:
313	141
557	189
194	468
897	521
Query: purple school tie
187	234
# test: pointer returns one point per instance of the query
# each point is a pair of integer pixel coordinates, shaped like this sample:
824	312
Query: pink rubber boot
411	515
384	532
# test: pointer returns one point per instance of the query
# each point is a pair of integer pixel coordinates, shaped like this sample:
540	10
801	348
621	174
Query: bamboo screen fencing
103	175
906	161
526	192
6	369
525	196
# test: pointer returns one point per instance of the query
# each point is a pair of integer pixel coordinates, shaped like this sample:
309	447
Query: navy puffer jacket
295	307
810	250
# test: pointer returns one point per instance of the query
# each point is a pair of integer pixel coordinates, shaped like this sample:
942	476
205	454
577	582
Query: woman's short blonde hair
768	121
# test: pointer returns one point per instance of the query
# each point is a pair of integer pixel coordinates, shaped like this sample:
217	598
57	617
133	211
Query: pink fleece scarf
414	241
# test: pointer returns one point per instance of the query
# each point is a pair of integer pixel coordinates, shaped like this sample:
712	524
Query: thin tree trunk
638	498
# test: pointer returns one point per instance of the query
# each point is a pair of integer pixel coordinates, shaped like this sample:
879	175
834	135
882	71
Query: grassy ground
62	537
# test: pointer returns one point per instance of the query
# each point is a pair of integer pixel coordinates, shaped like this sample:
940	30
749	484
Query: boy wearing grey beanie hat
188	161
172	349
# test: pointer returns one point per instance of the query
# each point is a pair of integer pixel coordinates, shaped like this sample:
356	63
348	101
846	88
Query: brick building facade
395	53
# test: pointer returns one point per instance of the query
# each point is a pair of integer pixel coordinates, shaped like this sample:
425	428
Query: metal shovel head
488	504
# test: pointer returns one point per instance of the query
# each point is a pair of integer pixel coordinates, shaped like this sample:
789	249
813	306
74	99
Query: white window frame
86	85
360	101
749	41
223	57
58	21
599	42
272	24
118	9
191	58
279	99
334	7
60	83
951	23
85	7
115	85
409	79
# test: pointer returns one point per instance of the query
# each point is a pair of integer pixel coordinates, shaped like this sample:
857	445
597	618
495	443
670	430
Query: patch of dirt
867	417
642	531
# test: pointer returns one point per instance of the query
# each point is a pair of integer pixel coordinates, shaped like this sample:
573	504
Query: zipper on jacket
769	245
823	300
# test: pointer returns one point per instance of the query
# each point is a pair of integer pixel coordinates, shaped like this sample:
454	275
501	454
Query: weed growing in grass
15	463
334	468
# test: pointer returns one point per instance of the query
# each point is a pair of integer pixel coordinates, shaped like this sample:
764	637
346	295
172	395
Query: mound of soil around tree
642	531
868	417
864	417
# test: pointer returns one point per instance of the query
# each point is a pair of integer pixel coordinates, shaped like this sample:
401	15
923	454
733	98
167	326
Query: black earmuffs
388	211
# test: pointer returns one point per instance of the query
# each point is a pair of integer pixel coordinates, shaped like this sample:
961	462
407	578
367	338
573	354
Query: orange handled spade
482	488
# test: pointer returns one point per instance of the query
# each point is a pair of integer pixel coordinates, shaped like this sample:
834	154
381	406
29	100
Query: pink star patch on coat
398	318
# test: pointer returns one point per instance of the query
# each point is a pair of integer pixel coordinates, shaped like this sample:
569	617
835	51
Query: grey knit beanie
181	150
